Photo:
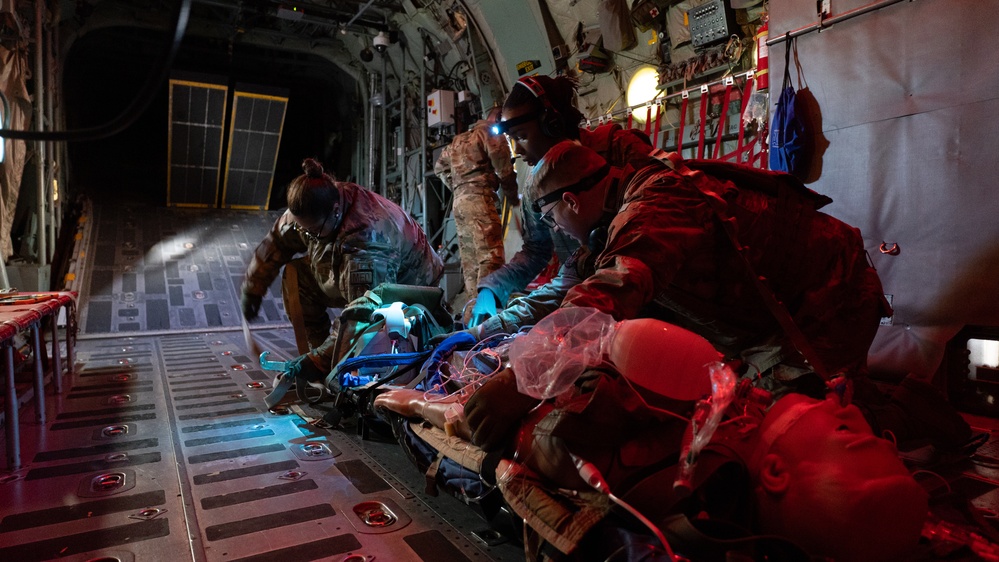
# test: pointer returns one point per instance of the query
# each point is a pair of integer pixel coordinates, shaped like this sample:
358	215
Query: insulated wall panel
903	124
194	152
254	138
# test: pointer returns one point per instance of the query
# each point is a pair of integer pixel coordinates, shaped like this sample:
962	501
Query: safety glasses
547	219
310	236
578	187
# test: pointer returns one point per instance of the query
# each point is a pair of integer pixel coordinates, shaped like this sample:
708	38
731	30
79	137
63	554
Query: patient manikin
824	480
819	475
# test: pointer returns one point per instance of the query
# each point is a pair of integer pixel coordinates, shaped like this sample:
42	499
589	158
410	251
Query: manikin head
823	480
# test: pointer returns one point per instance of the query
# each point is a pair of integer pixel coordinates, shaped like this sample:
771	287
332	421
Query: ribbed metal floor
160	446
168	269
162	449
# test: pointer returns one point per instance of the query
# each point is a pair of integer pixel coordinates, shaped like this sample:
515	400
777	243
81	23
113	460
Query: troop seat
22	312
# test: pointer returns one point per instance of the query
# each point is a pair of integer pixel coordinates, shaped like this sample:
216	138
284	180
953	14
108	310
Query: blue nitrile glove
305	367
485	307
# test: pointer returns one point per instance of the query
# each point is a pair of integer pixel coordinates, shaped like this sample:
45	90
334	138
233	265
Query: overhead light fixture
642	89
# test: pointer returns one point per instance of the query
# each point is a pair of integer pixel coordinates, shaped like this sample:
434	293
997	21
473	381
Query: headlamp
503	126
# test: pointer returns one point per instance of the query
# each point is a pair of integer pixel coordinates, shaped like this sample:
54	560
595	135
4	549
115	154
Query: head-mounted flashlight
503	126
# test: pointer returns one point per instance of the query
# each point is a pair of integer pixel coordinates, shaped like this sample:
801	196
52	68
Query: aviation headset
597	239
549	120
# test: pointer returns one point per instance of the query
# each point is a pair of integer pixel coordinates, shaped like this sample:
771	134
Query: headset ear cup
551	124
597	240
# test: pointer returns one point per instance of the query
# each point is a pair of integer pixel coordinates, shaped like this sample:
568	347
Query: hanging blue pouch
787	133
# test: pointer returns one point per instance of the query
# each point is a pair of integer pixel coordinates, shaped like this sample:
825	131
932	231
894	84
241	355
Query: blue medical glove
485	307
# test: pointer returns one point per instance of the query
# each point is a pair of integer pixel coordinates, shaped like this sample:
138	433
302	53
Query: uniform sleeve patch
362	277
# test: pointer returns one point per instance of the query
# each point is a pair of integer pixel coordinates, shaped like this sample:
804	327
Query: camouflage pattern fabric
667	257
618	146
376	242
480	234
473	166
479	157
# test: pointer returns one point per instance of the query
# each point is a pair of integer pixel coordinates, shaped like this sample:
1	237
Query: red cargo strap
683	119
704	118
747	88
655	137
722	117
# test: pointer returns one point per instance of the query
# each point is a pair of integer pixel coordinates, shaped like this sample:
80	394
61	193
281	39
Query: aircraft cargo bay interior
483	280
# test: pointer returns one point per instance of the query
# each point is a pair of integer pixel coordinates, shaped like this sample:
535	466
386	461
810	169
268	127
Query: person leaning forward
654	246
539	113
335	241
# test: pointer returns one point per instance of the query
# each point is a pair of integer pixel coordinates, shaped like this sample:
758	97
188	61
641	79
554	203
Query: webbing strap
742	112
683	118
655	137
284	383
648	118
704	128
675	162
721	119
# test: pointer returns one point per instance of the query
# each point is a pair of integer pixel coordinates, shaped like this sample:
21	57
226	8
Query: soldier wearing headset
538	114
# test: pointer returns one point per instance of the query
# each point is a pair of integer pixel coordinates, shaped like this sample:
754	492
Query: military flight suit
618	146
376	242
667	257
472	167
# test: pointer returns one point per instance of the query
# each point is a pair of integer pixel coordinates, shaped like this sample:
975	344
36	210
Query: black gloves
250	305
359	310
303	366
495	410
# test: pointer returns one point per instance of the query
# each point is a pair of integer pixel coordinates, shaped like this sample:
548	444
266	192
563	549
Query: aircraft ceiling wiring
139	104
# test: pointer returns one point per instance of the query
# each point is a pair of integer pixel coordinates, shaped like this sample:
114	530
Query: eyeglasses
310	236
547	219
582	185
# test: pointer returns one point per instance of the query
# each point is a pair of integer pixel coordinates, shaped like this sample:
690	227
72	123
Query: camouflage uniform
667	257
376	242
618	146
472	167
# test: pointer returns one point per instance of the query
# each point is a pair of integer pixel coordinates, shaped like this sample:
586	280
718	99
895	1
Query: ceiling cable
134	110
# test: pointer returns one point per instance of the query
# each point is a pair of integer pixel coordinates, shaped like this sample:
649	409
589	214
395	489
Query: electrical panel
440	108
710	23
